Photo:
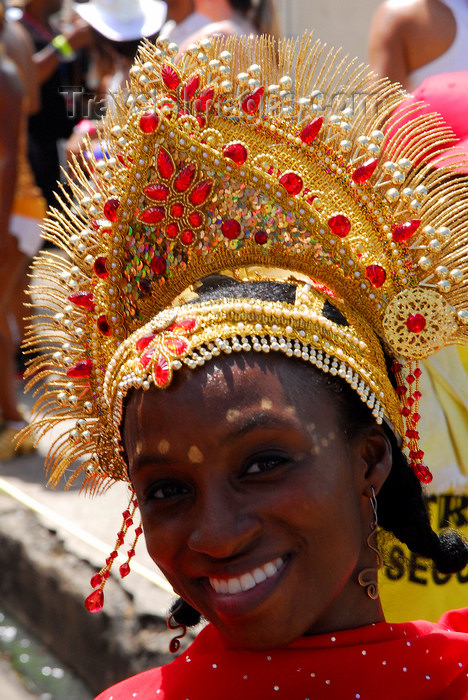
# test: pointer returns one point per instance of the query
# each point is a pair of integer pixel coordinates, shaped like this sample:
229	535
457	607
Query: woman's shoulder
144	684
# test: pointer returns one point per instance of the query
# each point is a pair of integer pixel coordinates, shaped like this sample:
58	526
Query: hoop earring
372	584
174	644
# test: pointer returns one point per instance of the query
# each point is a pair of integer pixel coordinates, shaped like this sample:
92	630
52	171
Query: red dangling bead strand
124	569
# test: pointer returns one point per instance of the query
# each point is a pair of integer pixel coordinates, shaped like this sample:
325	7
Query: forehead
216	398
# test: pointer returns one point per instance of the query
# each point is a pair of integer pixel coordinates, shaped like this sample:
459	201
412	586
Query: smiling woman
249	298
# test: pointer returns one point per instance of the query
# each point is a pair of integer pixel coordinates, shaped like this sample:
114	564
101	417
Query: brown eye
264	463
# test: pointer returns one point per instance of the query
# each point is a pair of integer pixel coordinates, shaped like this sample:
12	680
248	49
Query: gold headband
223	163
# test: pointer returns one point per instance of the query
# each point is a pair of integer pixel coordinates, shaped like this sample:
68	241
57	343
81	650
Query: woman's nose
223	528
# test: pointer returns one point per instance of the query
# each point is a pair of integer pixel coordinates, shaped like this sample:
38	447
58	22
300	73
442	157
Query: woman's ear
375	455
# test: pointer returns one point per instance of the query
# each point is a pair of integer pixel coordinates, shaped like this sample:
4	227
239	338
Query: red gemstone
83	368
201	122
124	570
177	210
416	417
376	275
340	225
251	102
138	531
165	164
149	122
172	230
365	171
123	161
196	219
237	152
309	132
104	326
161	371
158	193
100	267
410	379
111	208
401	390
152	215
170	78
200	192
144	285
142	343
417	394
176	346
292	182
203	103
191	87
96	580
146	358
417	372
405	412
415	323
95	602
231	229
402	232
185	325
261	237
85	300
131	552
98	223
185	178
158	265
187	237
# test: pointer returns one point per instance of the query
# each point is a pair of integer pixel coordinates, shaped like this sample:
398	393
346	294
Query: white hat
123	20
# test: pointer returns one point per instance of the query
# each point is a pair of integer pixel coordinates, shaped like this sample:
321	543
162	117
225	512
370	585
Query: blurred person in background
411	40
55	54
21	210
190	21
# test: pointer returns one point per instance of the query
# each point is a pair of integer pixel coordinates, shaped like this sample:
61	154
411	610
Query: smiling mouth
240	584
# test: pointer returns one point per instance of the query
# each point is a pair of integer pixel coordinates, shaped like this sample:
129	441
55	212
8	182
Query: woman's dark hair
402	506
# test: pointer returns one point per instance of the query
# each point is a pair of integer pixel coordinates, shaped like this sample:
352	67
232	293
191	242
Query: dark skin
238	469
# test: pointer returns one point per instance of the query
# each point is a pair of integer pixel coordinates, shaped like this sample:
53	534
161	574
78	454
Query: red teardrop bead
84	300
231	229
200	192
185	178
95	601
152	215
176	346
203	103
124	570
185	325
83	368
415	323
170	78
340	225
402	232
100	267
251	102
261	237
191	87
165	164
376	275
172	230
158	193
149	122
142	343
292	182
177	210
364	172
104	326
237	152
310	132
196	219
187	237
146	358
158	265
161	371
96	580
111	208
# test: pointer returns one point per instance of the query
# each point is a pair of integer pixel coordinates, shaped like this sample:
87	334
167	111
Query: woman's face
254	504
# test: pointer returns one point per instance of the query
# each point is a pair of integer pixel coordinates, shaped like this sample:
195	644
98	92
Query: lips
239	584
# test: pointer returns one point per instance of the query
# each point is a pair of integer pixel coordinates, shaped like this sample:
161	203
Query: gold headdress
223	162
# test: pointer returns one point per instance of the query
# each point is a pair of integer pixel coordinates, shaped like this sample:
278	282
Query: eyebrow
264	419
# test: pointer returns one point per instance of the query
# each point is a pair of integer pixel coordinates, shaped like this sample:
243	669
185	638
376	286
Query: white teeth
246	581
259	575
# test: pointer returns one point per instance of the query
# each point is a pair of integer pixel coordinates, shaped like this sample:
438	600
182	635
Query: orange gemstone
340	225
292	182
170	78
158	193
176	346
200	192
185	325
309	132
237	152
149	122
